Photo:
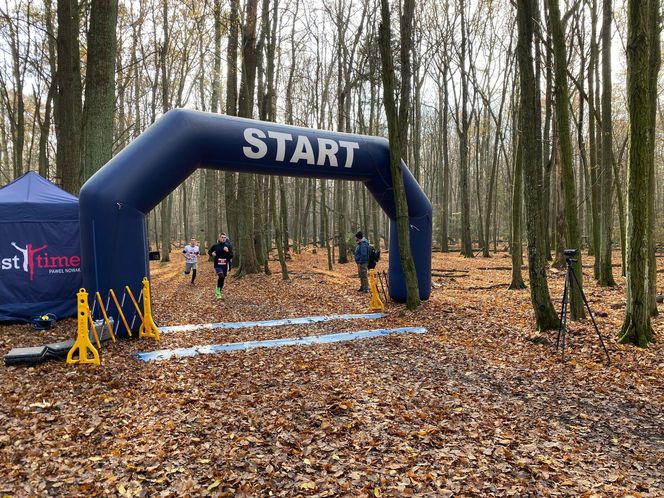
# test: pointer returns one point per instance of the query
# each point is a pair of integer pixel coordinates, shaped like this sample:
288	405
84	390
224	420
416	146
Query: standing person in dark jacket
222	253
362	260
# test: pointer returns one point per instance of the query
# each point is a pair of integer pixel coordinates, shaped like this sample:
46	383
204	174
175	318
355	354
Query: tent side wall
40	253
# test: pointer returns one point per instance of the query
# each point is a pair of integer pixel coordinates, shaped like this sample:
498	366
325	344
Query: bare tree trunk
655	25
494	167
517	196
466	241
340	196
284	215
167	204
577	310
270	104
13	98
621	208
99	108
517	201
446	166
397	119
325	218
277	229
212	222
479	146
68	115
592	141
546	152
637	328
51	98
586	191
545	314
246	182
230	178
604	254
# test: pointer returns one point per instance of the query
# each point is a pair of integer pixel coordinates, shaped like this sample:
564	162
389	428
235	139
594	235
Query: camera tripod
571	279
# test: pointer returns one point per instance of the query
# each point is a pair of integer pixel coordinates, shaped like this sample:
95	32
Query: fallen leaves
473	408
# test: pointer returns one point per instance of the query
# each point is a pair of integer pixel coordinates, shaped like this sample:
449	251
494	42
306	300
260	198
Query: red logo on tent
37	257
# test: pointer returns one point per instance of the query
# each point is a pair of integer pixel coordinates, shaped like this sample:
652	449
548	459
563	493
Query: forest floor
481	405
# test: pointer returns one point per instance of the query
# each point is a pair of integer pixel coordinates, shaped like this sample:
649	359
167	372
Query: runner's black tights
220	280
193	275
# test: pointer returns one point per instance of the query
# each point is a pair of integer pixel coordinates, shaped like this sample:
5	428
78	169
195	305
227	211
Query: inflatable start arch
114	201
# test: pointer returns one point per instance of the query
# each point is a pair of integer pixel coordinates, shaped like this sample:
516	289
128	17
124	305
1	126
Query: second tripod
570	280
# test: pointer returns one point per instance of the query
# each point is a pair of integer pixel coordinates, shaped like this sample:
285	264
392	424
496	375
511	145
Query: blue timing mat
267	323
167	354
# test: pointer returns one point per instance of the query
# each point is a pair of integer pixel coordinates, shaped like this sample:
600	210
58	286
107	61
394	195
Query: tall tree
230	178
212	227
68	110
445	183
166	204
547	159
246	181
592	141
517	231
466	241
13	98
606	171
545	314
99	108
573	237
495	158
51	97
397	122
642	39
270	104
655	26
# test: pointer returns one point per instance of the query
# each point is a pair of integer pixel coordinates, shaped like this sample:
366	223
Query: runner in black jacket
222	252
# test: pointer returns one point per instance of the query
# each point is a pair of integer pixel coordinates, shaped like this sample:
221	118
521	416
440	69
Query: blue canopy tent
40	253
116	199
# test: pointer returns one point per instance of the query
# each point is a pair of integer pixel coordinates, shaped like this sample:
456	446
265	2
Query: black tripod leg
583	296
562	312
563	343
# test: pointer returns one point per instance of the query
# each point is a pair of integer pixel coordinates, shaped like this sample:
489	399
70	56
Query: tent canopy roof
33	198
31	187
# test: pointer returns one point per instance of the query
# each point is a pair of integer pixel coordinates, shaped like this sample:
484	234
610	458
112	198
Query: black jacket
218	248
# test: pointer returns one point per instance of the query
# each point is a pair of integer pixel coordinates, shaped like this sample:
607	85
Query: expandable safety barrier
83	351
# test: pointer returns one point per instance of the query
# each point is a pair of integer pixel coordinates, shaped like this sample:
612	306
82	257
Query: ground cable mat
267	323
167	354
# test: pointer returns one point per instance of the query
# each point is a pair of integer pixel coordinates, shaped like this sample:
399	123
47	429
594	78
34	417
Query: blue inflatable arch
115	200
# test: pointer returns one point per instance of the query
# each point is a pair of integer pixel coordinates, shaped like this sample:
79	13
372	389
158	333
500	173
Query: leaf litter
479	406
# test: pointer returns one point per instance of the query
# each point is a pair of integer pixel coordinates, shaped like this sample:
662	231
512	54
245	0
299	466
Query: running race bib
221	261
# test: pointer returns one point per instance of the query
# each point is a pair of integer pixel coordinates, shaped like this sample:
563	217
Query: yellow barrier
103	312
148	327
94	329
83	344
133	300
376	304
117	305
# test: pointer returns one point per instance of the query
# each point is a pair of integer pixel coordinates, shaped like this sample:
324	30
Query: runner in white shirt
191	252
